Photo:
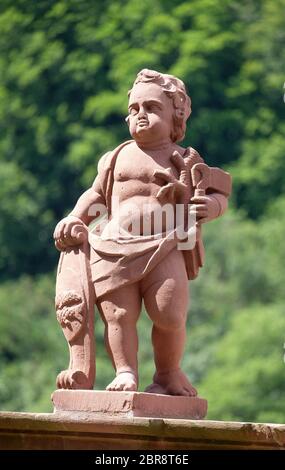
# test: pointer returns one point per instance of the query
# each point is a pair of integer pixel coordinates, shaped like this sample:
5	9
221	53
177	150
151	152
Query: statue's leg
120	311
75	301
166	295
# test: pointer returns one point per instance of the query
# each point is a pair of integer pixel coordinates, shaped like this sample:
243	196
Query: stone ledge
71	430
129	404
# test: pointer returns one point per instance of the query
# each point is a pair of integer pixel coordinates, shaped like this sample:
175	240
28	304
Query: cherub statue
130	259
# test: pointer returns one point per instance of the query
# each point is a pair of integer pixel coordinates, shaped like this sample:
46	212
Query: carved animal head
69	308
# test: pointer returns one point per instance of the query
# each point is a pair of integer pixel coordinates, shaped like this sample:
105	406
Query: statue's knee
171	320
120	314
116	315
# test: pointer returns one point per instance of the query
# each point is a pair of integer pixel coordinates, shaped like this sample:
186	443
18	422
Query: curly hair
175	89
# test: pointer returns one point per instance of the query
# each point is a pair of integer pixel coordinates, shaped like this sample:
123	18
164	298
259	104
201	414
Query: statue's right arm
86	206
89	206
92	203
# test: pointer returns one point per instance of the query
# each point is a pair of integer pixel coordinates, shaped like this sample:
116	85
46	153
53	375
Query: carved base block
129	404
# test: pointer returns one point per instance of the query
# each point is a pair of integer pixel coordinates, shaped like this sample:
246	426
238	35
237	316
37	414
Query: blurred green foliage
65	68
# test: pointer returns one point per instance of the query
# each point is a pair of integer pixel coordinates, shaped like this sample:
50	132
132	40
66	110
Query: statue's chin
143	134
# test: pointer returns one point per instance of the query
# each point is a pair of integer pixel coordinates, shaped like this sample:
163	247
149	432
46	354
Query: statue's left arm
208	207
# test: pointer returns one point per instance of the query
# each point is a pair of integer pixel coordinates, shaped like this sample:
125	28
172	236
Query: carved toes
73	380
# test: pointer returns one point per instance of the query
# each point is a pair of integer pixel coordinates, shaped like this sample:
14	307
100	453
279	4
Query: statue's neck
155	145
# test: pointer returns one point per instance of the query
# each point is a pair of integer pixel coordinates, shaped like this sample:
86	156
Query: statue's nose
142	112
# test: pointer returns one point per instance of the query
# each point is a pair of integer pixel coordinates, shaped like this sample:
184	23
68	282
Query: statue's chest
139	166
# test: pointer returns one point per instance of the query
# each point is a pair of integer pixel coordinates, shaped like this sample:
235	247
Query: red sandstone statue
131	257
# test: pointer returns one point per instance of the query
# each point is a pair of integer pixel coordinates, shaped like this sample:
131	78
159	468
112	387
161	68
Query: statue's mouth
143	123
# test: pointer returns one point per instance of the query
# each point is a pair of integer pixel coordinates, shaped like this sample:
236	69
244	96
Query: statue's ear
179	113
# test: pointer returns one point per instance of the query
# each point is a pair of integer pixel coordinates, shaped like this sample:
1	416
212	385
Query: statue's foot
73	379
172	383
125	381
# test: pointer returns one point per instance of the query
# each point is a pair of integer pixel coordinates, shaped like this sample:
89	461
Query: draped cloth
125	260
116	263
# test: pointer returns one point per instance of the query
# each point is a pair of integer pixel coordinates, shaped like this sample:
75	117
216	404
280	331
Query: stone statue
134	252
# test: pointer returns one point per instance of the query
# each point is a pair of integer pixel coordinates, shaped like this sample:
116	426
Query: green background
65	68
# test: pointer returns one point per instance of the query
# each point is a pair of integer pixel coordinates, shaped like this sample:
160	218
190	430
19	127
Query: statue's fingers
164	174
178	160
165	190
78	233
66	231
58	229
69	240
202	212
177	154
180	187
62	242
72	240
69	237
202	220
198	206
59	245
193	213
199	213
199	219
194	153
161	193
199	199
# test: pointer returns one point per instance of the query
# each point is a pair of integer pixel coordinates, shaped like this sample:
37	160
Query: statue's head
152	90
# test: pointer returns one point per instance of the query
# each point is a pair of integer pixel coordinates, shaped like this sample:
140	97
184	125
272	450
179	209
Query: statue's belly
141	215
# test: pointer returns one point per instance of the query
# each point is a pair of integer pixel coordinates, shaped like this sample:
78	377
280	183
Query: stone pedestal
129	404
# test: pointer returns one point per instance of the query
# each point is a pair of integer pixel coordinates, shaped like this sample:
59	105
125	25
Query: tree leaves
65	69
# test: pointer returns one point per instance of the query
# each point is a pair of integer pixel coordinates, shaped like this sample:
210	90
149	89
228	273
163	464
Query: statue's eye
153	107
133	111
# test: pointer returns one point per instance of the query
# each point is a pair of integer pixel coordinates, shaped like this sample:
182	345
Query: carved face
150	113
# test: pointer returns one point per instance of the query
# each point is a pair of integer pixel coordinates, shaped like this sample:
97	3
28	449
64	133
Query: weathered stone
75	430
156	195
129	404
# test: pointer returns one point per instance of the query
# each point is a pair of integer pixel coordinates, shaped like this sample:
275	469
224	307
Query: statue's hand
65	233
205	208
